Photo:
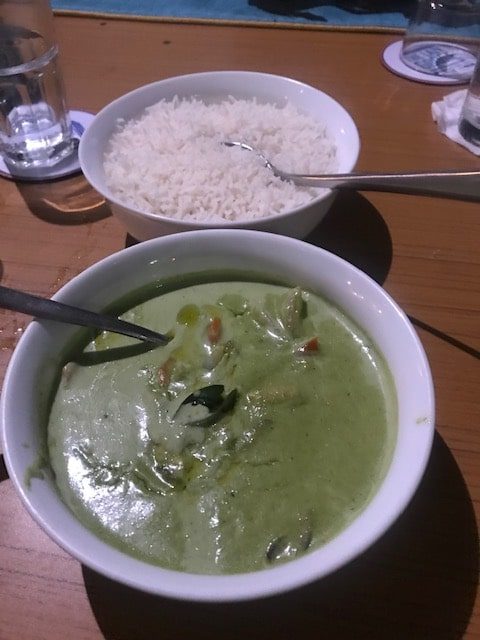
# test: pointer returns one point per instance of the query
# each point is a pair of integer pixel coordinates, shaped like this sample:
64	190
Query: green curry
259	432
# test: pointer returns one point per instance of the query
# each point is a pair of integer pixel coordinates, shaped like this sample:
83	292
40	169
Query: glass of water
35	128
443	38
469	125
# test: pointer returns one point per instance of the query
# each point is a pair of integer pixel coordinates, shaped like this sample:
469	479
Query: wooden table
420	580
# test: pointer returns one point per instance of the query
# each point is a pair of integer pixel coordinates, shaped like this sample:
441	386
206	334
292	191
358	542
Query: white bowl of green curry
280	432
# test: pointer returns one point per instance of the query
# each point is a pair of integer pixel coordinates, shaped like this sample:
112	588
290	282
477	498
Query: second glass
443	38
469	125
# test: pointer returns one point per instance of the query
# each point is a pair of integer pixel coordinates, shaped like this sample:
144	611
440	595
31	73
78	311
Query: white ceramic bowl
211	86
36	360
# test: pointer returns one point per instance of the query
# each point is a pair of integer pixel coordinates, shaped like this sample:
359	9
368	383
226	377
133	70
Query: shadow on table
3	469
69	201
458	344
354	230
418	581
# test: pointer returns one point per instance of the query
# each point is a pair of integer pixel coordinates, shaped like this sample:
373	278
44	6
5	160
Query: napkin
446	114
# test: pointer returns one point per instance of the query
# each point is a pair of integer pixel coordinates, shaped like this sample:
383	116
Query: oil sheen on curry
257	434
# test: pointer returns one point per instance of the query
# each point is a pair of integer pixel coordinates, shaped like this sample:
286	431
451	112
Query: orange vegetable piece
165	371
311	346
214	330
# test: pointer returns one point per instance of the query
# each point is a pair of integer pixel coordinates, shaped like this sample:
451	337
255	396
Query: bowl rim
188	224
216	588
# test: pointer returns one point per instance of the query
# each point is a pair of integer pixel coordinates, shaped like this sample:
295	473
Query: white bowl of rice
156	153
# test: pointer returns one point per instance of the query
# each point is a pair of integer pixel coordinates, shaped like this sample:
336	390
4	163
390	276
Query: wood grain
421	579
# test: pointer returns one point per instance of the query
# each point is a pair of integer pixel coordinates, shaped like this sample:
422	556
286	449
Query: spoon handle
463	185
52	310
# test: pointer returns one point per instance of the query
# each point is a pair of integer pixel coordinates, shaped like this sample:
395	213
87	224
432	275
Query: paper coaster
80	121
393	62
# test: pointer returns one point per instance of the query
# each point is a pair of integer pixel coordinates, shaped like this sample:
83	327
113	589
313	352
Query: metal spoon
463	185
52	310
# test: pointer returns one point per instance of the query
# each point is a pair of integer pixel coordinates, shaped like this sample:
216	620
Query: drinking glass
469	125
443	38
35	128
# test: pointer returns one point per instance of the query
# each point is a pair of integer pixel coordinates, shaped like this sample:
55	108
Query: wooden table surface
420	580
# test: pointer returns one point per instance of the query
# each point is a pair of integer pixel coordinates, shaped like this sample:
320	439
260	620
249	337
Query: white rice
171	161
